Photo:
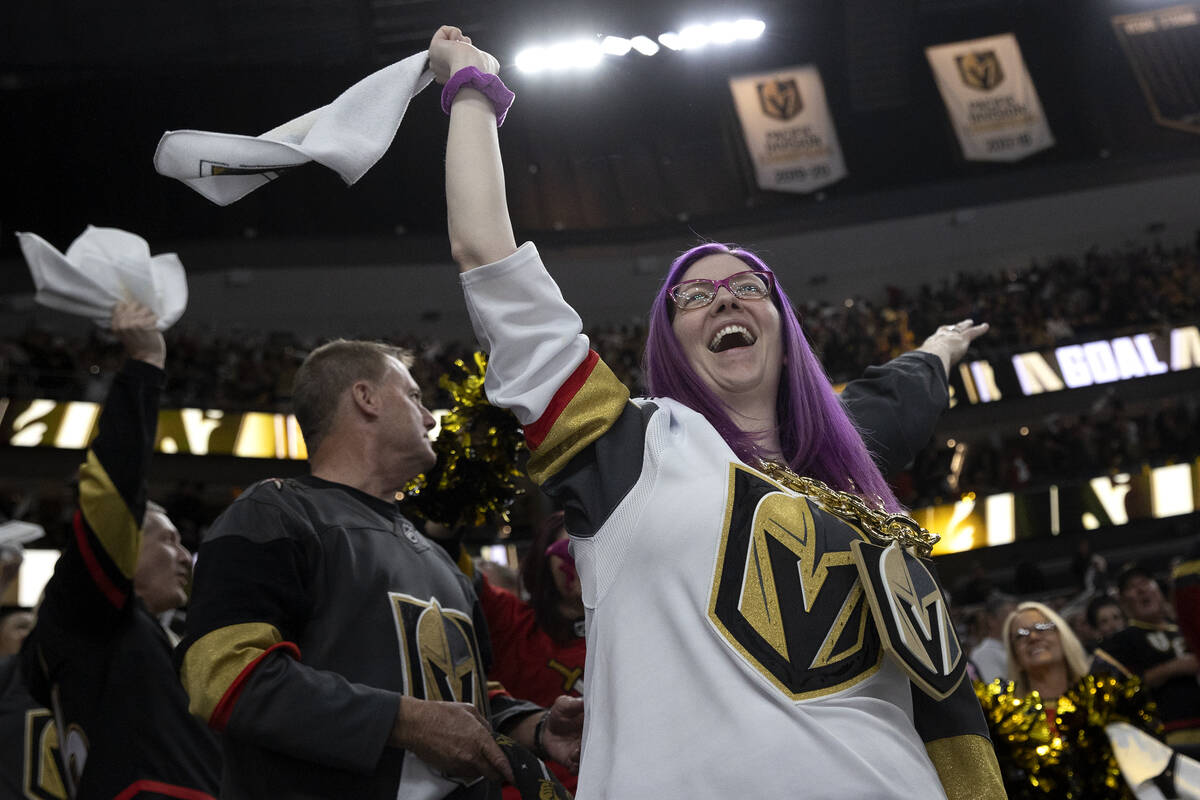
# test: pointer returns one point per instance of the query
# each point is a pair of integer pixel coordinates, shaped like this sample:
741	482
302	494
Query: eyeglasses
749	285
1040	627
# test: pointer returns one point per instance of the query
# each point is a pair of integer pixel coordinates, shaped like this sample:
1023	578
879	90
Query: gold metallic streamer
480	450
1074	761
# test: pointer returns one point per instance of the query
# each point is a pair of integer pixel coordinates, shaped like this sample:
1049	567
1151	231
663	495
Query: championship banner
788	129
1163	48
990	98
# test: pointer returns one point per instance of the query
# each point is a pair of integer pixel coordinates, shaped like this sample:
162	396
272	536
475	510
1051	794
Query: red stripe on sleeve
99	576
166	789
535	432
224	709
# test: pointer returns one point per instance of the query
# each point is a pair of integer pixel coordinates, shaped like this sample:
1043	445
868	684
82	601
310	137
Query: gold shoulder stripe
215	660
1108	658
1187	737
966	766
108	516
1187	569
591	412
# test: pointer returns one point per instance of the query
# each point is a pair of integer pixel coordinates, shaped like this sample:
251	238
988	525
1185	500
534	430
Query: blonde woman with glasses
1047	724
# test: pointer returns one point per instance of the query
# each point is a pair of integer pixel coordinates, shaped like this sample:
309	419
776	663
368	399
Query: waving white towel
101	268
349	136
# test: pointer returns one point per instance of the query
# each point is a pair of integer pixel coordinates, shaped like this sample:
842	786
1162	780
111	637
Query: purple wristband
492	87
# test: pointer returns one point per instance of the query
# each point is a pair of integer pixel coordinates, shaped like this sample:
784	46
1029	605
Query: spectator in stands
1045	750
990	655
29	750
340	652
1186	595
1105	615
97	654
15	624
1153	648
538	647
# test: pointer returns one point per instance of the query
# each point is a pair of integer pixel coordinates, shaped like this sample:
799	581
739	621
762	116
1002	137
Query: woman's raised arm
477	210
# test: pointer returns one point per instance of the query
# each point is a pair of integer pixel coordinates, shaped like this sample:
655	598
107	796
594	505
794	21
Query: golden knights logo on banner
990	98
788	129
780	99
980	70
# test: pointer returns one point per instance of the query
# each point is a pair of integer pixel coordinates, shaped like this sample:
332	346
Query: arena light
644	45
723	32
615	46
748	29
577	54
694	37
698	36
531	59
670	40
589	53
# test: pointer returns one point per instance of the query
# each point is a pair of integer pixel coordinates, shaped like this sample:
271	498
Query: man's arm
1180	666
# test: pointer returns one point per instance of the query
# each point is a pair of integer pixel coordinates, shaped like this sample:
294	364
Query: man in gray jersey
341	653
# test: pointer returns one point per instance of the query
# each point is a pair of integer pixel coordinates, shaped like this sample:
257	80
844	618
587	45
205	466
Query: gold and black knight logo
980	70
911	614
441	654
786	593
780	99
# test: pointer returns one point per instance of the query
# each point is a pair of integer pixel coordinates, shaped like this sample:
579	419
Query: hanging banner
990	98
788	129
1163	48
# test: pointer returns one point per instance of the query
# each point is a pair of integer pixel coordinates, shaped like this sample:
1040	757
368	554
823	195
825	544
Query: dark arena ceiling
639	148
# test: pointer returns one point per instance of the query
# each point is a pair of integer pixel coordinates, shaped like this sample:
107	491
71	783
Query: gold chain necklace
877	521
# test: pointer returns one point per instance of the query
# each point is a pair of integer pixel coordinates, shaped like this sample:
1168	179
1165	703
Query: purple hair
816	435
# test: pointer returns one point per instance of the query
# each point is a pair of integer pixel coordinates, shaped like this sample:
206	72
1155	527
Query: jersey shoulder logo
912	617
786	594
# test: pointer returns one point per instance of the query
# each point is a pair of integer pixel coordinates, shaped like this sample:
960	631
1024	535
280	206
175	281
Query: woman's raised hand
450	50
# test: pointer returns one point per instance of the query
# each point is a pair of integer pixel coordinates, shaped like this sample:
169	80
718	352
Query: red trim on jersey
167	789
1181	724
224	709
99	576
535	432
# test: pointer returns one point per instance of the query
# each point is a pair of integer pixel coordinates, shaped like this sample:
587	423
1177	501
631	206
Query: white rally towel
349	136
101	268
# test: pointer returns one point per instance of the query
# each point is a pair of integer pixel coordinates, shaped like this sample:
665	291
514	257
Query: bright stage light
693	37
644	45
588	53
749	28
531	59
723	32
579	54
560	56
615	46
670	40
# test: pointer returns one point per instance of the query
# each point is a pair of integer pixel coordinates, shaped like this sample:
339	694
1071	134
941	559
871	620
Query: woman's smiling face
1039	648
734	345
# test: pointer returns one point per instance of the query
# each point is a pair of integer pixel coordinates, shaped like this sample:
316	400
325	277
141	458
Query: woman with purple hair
759	621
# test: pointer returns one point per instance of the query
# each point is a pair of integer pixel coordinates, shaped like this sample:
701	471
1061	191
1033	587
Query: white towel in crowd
103	267
349	136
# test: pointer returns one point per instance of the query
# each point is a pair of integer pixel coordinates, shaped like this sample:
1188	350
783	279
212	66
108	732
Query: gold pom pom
480	450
